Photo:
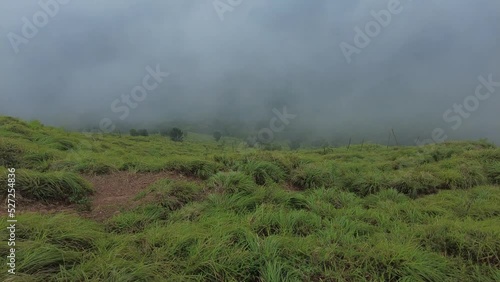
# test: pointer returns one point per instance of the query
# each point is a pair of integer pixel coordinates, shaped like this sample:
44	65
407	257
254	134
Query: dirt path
113	194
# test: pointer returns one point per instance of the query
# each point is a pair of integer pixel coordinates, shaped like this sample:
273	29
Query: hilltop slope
203	211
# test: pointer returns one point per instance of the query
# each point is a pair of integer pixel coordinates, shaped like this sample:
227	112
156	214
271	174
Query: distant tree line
140	132
175	134
293	141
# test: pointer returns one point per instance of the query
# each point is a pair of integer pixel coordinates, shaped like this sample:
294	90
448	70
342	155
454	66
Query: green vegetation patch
49	186
232	213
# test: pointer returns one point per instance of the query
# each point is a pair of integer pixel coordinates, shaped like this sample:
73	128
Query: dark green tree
133	132
217	135
176	134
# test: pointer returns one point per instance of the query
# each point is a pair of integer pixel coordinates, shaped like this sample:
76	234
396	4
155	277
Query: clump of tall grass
460	173
268	220
386	195
263	172
312	176
414	182
33	158
393	261
49	186
20	129
478	203
492	170
172	195
199	168
10	153
369	182
325	201
47	243
136	220
475	241
91	166
231	182
229	162
56	142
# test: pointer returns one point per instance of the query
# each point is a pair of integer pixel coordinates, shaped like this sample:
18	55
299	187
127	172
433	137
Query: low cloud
262	55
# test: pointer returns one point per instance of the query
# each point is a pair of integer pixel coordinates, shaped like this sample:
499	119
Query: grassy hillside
370	213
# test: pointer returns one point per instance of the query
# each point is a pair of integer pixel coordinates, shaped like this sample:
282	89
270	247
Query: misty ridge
250	140
315	71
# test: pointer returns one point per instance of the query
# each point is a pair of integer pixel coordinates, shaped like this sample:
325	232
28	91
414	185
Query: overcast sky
260	55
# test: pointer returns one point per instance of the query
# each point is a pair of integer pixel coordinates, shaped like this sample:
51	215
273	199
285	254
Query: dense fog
342	69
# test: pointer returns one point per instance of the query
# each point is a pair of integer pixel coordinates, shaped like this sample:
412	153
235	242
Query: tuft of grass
493	172
392	196
49	186
198	168
369	182
268	220
393	261
415	182
172	195
312	176
231	182
10	153
263	172
135	221
92	166
475	241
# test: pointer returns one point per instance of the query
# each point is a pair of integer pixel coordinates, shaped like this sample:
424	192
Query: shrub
176	135
217	136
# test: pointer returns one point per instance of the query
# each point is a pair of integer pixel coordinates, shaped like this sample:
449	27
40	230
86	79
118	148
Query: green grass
48	187
242	214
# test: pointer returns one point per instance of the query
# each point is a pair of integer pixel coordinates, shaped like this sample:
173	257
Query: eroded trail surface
113	193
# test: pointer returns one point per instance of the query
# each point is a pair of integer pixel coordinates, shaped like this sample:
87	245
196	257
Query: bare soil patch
114	193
